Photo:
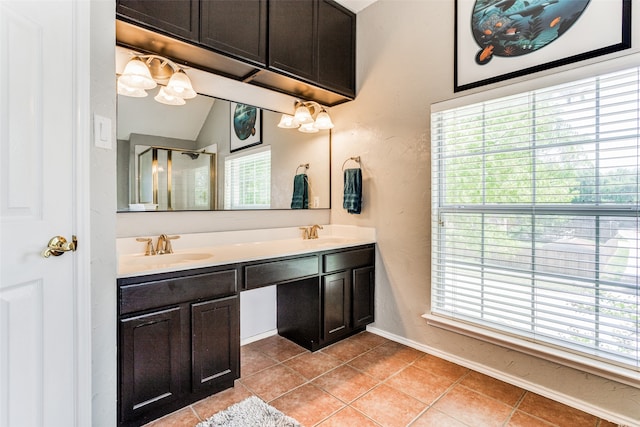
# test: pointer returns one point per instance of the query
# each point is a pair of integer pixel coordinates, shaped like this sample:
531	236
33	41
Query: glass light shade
288	122
136	75
308	128
179	85
323	121
164	98
130	91
303	115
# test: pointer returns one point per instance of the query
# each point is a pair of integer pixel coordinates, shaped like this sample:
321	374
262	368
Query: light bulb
323	121
164	98
136	75
180	85
130	91
308	128
303	115
288	122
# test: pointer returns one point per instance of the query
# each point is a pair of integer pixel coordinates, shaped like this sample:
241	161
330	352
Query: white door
41	341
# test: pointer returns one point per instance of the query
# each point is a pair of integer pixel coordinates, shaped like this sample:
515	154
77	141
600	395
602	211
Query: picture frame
245	126
491	36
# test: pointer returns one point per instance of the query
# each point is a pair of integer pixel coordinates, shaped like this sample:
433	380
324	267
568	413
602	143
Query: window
535	217
247	179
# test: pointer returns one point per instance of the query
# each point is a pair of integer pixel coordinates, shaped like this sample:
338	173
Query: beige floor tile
311	365
499	390
348	417
473	408
435	418
423	385
345	350
441	367
389	407
308	404
273	382
346	383
555	412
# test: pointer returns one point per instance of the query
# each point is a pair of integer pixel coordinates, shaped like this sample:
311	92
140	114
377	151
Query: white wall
405	63
103	219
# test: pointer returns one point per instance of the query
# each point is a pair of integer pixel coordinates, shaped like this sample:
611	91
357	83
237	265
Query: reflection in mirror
174	179
255	173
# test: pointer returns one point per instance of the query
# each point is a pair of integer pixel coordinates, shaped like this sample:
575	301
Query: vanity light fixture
144	72
303	118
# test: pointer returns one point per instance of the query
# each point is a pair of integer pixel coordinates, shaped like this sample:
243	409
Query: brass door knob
58	245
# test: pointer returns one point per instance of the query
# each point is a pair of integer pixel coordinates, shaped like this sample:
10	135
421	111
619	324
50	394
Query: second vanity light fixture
143	72
303	118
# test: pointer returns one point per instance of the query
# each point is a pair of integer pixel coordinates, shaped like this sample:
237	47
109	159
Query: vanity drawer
270	273
159	293
348	259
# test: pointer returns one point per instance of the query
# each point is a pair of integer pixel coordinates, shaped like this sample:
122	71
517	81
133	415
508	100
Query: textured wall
405	63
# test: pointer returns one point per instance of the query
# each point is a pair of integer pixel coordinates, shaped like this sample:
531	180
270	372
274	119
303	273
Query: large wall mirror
189	157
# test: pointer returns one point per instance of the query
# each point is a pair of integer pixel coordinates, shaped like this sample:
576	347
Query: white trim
259	337
555	355
517	381
81	161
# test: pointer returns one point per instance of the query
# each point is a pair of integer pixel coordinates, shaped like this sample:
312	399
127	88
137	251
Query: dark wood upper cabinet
336	47
314	40
174	17
236	27
292	37
304	48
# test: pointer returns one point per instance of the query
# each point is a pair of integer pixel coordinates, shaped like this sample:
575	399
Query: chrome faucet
164	244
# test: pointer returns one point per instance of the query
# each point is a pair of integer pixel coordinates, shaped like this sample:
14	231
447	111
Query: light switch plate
102	132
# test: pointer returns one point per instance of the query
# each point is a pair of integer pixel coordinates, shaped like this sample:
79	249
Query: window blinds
247	180
535	216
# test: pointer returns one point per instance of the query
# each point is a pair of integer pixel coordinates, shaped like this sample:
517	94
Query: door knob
58	245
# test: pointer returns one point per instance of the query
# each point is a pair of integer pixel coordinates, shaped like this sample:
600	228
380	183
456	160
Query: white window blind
535	216
247	179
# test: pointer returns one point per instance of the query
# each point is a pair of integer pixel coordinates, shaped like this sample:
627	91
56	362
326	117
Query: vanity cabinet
179	340
314	41
319	311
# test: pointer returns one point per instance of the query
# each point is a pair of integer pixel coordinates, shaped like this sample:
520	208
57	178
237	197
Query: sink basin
165	259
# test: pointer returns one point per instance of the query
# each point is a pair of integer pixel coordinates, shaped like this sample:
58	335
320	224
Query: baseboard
621	420
258	337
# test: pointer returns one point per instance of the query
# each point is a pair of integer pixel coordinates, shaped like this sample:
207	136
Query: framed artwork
497	40
246	126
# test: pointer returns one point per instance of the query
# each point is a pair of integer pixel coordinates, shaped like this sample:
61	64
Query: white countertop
211	249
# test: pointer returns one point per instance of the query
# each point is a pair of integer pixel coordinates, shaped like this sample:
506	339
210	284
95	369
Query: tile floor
367	380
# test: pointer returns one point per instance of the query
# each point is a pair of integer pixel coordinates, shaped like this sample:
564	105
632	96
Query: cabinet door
336	48
335	303
215	354
173	17
236	27
363	296
292	37
150	362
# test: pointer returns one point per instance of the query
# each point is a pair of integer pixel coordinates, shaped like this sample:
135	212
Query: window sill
610	371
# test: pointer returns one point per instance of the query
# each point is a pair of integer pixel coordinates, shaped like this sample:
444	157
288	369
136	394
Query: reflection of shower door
177	179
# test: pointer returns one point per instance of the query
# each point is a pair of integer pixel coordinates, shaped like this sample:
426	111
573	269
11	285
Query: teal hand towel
300	199
352	190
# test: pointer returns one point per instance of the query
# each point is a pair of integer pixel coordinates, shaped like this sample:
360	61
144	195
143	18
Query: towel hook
355	159
303	165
